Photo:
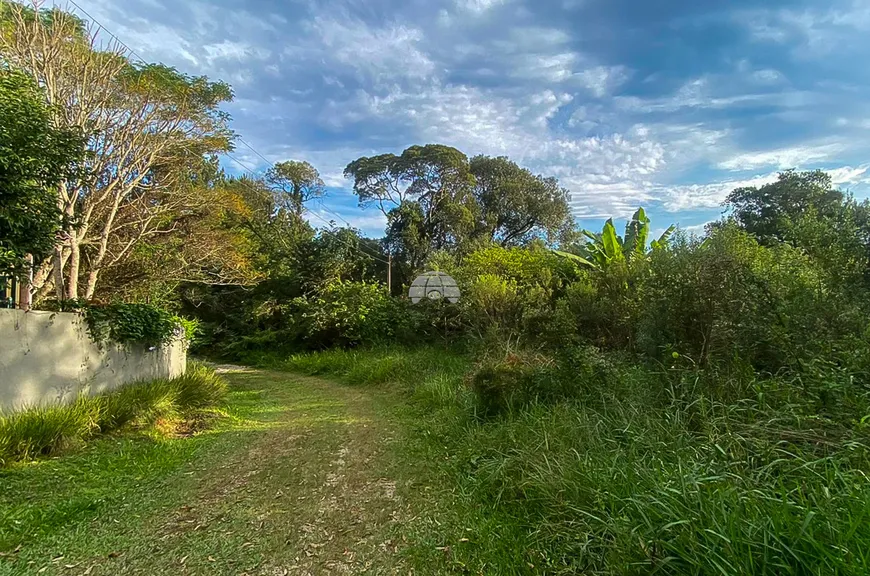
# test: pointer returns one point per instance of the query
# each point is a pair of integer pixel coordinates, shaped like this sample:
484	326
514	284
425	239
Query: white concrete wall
48	357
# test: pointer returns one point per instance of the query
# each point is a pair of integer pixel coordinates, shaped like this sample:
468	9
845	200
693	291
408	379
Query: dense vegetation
601	403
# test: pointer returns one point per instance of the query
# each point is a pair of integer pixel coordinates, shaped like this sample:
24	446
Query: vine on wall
132	324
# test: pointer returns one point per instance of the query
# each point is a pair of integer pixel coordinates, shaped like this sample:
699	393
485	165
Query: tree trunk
42	276
72	284
58	272
25	291
92	283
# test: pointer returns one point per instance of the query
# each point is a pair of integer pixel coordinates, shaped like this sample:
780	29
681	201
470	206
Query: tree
426	194
804	210
146	125
35	157
516	205
436	199
295	183
766	212
209	244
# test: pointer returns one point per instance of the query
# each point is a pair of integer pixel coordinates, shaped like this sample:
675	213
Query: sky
667	105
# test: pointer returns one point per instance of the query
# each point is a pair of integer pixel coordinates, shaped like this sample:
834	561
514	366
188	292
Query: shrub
602	305
508	382
130	324
508	291
349	314
200	387
727	297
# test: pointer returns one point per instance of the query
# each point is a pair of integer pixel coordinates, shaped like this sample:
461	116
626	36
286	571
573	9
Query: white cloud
602	80
230	50
370	223
784	158
694	229
767	76
376	54
478	6
848	175
696	196
694	94
813	32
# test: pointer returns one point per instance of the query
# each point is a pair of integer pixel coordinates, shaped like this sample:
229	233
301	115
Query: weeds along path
299	485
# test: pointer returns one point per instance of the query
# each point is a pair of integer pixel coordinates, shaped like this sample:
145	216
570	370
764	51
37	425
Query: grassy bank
160	406
639	471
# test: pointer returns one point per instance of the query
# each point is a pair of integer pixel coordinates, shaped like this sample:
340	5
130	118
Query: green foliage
44	431
608	248
504	290
644	469
436	199
515	205
351	313
135	324
728	296
767	212
35	157
295	183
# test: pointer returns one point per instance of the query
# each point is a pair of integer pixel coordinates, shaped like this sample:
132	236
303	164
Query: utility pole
389	272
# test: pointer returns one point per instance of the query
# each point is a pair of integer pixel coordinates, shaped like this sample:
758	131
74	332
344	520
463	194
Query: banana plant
607	247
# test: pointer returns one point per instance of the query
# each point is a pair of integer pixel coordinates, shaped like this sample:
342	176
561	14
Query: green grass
288	479
640	473
43	431
102	504
629	478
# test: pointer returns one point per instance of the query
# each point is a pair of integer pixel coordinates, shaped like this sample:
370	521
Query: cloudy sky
667	104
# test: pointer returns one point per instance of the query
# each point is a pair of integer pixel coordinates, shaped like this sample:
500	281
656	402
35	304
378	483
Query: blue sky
667	104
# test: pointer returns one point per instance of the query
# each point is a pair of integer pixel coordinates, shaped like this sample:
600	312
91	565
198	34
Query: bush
131	324
38	432
200	387
603	306
507	291
728	297
351	313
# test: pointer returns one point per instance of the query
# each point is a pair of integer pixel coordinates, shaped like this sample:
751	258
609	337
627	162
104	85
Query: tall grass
43	431
638	472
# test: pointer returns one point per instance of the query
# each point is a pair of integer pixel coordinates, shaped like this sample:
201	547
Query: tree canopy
149	127
35	158
435	198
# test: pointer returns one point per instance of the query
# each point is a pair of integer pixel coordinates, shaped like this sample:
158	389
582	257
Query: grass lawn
291	477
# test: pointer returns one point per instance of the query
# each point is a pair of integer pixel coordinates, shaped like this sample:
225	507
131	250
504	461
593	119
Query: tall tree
295	183
426	194
806	211
516	205
35	157
146	124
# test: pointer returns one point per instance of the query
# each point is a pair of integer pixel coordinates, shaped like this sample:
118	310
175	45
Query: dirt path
311	490
299	483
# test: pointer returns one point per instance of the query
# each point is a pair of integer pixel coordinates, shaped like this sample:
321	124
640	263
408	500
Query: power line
351	246
266	160
240	163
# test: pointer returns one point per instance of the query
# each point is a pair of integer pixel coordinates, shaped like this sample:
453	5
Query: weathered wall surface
48	357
